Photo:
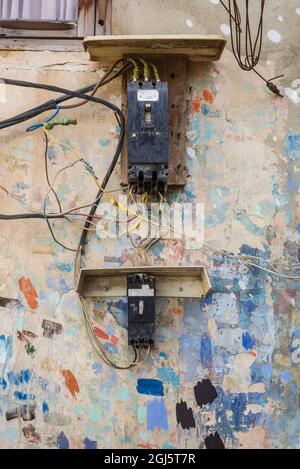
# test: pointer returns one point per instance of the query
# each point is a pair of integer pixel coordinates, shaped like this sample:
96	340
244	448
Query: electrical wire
101	351
250	56
51	104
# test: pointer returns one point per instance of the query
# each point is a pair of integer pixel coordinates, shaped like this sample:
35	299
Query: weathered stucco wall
243	149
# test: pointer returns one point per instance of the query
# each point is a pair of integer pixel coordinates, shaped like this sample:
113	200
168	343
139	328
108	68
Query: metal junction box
141	309
148	136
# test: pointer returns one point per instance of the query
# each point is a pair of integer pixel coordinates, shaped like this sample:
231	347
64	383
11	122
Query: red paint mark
71	382
253	353
177	310
29	292
100	333
114	340
208	96
196	105
147	446
103	335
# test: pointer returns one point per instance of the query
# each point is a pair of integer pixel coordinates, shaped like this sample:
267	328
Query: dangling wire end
272	87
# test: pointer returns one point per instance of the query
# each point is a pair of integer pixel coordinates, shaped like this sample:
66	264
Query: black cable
68	94
52	104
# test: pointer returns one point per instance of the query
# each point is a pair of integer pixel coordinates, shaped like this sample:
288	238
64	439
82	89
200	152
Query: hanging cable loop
247	49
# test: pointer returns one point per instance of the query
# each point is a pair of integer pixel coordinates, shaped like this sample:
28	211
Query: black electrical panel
141	310
148	136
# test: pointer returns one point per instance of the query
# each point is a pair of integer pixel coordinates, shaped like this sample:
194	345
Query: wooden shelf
171	282
195	47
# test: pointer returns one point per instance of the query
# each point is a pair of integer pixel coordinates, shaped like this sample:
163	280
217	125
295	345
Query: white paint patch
242	285
294	93
274	36
212	328
225	29
214	2
280	18
191	152
298	11
253	408
189	23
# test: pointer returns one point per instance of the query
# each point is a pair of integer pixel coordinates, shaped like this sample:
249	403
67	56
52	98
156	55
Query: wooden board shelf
172	282
195	47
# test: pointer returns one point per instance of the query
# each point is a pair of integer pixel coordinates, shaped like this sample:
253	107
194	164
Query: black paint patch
184	415
51	328
205	392
28	412
214	441
9	301
12	414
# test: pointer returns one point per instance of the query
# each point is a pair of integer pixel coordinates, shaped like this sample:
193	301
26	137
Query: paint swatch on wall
214	441
9	302
71	382
184	415
205	392
206	351
31	434
62	441
157	415
151	387
29	292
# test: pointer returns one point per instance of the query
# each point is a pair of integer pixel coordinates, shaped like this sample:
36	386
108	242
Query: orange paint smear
208	96
196	105
29	292
71	382
177	310
103	335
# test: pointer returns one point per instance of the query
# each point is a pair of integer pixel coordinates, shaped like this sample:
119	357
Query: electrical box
148	136
141	309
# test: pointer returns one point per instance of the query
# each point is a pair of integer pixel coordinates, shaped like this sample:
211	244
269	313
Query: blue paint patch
45	408
163	355
3	384
151	387
62	441
19	378
248	342
206	351
65	266
104	142
6	348
42	295
286	376
248	306
249	225
205	109
169	376
89	444
292	181
21	186
292	146
97	367
298	228
24	396
157	415
266	371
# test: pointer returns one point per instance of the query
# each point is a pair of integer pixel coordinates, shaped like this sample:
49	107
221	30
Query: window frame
94	18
